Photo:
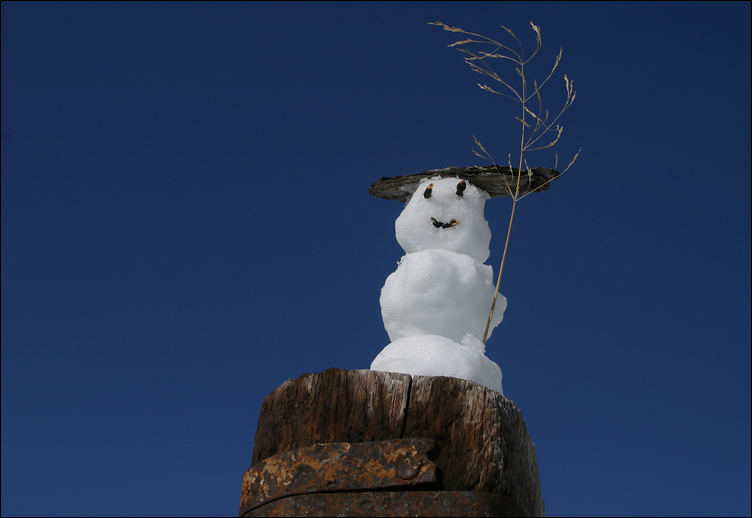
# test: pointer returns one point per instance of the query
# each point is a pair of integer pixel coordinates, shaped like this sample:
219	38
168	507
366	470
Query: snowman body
435	305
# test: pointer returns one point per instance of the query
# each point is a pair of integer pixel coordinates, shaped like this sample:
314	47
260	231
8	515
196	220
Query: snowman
435	305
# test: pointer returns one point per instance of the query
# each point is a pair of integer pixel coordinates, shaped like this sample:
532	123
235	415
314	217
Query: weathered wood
493	179
391	503
339	467
482	439
333	406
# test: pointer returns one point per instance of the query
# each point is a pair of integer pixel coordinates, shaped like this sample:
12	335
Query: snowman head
445	213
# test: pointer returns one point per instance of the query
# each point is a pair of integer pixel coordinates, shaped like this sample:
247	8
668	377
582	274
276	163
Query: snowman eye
461	188
429	190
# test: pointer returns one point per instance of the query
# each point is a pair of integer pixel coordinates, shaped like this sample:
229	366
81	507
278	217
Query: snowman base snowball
434	355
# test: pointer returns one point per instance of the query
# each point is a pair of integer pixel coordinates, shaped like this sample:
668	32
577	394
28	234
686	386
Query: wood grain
483	441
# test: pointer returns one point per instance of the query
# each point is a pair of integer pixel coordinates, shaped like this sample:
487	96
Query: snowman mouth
441	224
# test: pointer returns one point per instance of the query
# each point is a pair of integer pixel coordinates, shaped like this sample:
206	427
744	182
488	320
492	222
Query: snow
435	305
436	292
472	236
433	355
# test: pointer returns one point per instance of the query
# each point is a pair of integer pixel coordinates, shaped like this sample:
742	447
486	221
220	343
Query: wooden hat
493	179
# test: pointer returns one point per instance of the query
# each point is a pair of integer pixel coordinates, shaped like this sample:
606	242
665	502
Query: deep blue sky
186	224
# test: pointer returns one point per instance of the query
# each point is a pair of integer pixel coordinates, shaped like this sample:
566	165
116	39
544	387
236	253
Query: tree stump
370	443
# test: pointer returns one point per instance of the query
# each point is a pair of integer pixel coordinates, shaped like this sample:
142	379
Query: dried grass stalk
535	121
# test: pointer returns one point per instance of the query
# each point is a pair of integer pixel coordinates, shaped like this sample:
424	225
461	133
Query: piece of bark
494	180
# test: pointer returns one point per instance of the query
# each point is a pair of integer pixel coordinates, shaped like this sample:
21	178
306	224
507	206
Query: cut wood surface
483	440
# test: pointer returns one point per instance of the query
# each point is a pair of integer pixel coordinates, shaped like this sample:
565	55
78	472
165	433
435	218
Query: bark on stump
483	447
